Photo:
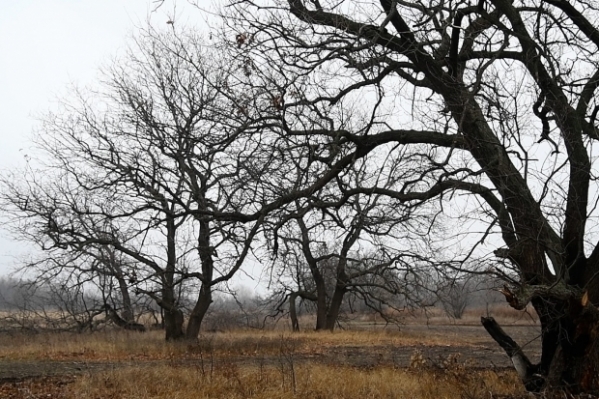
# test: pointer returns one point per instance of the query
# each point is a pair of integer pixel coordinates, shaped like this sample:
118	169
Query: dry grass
253	364
471	317
301	381
114	345
121	345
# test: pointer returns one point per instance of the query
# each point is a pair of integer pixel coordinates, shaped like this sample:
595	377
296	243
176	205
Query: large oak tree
497	98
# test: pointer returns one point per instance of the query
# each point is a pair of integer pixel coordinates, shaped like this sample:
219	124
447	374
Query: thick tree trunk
321	302
173	324
127	313
335	307
173	316
321	315
570	346
206	252
339	293
199	312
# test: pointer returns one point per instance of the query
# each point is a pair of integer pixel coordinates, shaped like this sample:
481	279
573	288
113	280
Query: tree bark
526	370
293	312
335	306
199	312
173	316
114	266
206	252
321	300
570	346
173	324
127	313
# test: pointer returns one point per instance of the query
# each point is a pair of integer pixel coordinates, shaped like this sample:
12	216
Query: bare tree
454	296
111	263
497	98
355	248
149	167
63	303
68	288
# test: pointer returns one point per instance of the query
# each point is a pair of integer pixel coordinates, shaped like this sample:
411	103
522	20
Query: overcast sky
46	45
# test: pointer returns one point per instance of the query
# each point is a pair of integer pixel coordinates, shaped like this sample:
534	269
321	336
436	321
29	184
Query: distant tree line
29	306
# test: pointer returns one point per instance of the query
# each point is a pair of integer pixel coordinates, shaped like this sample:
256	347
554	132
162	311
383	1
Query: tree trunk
293	312
115	266
173	316
570	347
173	324
335	306
321	314
199	312
206	252
127	312
526	370
321	302
340	289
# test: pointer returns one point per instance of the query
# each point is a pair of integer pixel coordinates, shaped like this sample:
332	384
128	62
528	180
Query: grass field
435	360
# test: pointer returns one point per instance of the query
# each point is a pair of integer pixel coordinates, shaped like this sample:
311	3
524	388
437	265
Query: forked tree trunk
113	264
173	316
338	294
206	253
327	312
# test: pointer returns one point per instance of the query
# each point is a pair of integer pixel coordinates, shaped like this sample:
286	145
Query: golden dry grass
303	381
122	345
255	364
509	315
113	345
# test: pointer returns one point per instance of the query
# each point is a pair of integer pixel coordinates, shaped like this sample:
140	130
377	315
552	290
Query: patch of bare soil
42	379
476	347
35	388
11	371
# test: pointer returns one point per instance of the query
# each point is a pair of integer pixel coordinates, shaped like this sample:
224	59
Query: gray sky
45	46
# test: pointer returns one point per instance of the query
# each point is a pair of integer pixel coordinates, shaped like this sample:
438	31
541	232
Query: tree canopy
496	100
